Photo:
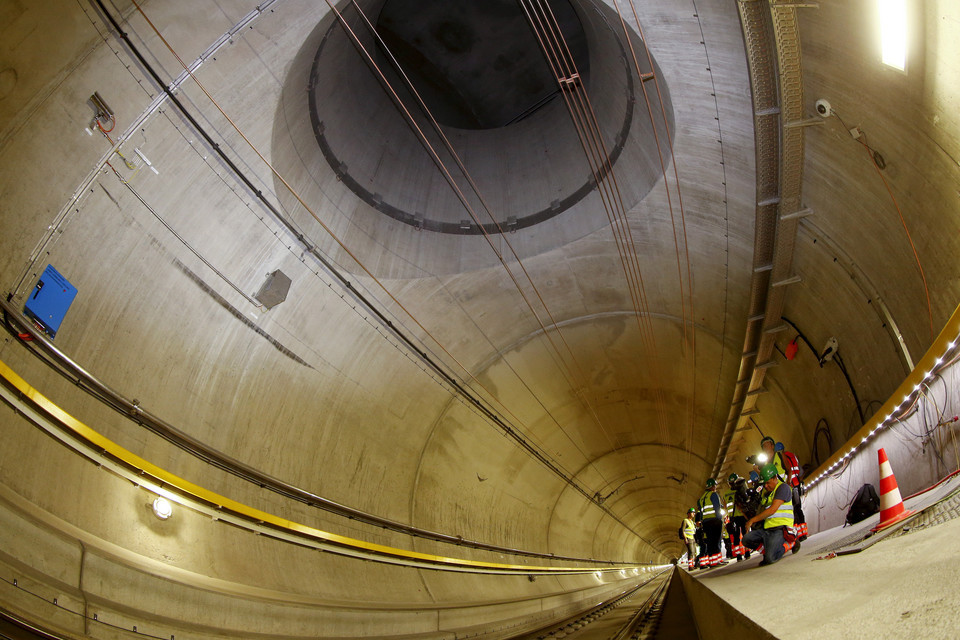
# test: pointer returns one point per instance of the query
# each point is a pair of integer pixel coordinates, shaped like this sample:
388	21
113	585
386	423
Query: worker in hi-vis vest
711	511
788	468
689	529
776	514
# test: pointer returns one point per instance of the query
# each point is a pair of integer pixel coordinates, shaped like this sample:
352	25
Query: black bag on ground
865	504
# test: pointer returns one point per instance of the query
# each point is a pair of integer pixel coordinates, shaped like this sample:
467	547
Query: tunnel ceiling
560	384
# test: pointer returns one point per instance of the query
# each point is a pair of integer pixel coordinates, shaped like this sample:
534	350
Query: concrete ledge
716	619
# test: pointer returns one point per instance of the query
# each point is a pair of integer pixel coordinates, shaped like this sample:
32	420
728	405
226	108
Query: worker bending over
777	517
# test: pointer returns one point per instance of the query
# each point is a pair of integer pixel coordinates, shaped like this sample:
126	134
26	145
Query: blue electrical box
50	300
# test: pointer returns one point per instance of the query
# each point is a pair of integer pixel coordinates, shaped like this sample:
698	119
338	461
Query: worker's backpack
865	504
792	466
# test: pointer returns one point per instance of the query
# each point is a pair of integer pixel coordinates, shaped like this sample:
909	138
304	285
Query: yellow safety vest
778	463
728	499
706	505
783	517
689	529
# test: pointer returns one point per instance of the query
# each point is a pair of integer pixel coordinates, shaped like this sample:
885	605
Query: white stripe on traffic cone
892	510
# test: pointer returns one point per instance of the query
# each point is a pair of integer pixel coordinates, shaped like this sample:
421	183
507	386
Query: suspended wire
487	411
683	221
183	240
465	202
351	254
872	153
660	156
541	445
572	380
913	247
570	81
622	211
317	218
632	244
600	181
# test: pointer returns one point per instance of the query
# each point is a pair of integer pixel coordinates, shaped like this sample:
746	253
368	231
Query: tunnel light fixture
893	33
162	508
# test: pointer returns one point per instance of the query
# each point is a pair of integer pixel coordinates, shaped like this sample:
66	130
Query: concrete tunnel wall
320	399
860	278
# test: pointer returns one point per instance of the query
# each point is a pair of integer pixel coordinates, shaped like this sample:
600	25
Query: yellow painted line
926	364
197	492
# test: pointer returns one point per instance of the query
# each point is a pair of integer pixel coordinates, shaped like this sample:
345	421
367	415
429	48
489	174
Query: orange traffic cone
891	504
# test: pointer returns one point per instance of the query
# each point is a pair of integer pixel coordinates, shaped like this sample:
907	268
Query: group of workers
762	513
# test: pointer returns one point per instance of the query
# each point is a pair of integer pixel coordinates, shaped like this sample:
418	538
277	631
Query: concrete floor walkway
901	587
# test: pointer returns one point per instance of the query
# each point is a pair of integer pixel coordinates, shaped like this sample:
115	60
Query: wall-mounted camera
824	108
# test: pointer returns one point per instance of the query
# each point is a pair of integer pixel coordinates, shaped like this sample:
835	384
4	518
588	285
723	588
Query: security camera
829	350
824	109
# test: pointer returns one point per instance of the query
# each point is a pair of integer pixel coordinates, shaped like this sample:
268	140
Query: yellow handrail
190	490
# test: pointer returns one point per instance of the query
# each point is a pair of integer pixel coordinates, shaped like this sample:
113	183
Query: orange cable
683	221
470	210
323	225
619	225
320	222
916	256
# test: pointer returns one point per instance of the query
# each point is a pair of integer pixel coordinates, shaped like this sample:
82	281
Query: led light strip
888	414
107	454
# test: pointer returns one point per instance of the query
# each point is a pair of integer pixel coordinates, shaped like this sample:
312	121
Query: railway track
633	615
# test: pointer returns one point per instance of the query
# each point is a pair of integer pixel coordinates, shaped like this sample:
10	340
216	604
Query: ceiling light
162	508
893	33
